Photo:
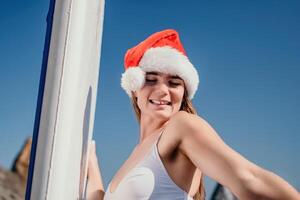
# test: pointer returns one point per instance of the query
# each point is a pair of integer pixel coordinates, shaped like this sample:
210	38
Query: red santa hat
161	52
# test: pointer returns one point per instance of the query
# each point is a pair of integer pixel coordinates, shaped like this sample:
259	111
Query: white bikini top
148	180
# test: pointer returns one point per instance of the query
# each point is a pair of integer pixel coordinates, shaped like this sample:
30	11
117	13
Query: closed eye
150	81
174	84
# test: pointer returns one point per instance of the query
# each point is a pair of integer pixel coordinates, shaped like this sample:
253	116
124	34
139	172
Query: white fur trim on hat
165	60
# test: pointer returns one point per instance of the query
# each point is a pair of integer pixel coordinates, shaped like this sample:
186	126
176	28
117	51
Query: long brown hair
187	106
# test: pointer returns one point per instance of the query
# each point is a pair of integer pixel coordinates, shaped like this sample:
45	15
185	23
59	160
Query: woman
177	147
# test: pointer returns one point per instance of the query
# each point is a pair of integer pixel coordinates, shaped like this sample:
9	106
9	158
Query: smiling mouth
159	102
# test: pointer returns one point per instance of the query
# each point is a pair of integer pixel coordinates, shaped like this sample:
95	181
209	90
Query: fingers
93	166
93	156
93	147
94	174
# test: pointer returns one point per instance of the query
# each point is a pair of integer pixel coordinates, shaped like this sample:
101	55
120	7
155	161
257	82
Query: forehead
163	75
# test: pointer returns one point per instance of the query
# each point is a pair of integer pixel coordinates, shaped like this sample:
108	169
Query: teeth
157	102
160	102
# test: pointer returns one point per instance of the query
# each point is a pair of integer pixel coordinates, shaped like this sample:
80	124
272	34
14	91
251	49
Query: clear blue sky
247	54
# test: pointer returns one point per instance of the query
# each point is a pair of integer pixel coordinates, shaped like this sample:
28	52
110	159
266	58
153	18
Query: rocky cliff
13	181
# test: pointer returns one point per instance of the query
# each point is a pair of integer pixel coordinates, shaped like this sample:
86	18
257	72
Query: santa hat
161	52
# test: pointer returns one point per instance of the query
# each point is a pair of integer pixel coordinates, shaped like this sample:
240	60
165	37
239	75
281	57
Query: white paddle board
66	100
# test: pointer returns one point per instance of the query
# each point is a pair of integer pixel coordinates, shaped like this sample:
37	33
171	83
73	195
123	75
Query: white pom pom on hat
161	52
133	79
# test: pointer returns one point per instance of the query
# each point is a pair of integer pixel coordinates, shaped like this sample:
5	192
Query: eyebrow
151	73
155	73
176	77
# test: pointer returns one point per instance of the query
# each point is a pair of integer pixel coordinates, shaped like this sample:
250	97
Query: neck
150	126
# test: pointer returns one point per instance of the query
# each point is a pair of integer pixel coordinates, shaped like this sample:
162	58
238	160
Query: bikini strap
160	134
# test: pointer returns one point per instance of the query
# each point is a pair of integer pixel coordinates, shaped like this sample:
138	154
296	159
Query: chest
178	167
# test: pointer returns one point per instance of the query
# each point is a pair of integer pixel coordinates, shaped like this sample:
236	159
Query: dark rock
21	163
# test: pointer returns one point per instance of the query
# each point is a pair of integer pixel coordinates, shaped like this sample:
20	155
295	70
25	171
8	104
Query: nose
162	88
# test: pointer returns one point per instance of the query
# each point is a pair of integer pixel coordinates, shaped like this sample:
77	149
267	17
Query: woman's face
161	95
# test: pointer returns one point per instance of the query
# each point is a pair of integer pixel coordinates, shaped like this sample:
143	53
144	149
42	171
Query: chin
162	114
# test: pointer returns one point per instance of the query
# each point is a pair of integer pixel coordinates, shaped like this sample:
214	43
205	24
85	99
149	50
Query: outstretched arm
203	146
95	189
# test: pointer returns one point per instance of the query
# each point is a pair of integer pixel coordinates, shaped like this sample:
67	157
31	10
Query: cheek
178	96
141	98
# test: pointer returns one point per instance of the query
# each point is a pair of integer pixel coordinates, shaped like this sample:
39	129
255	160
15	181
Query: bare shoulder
190	129
187	123
184	125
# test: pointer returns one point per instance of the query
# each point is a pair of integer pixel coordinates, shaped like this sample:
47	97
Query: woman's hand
95	189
